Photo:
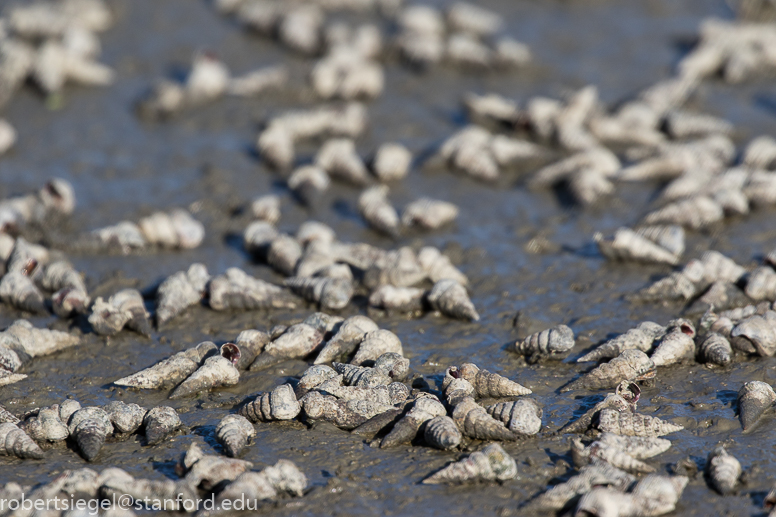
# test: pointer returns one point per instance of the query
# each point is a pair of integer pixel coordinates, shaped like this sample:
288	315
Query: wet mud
125	168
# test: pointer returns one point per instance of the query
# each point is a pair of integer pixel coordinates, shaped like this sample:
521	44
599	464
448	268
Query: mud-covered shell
598	451
639	447
492	463
250	343
723	470
89	427
475	422
442	433
312	377
361	375
317	406
126	418
296	342
523	416
279	404
489	385
406	429
216	371
551	342
716	349
758	332
429	214
676	345
639	338
754	398
21	342
180	291
628	366
14	442
330	293
393	364
634	424
236	290
629	245
171	371
598	474
234	432
18	290
46	426
160	422
375	344
451	299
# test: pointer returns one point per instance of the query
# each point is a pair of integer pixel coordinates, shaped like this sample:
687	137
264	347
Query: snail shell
756	334
723	470
657	494
639	447
180	291
762	284
176	229
429	214
598	451
330	293
266	208
491	463
89	427
279	404
234	432
317	406
629	245
205	471
257	82
237	290
475	422
338	157
171	371
22	342
351	332
625	398
677	344
160	422
695	213
298	341
314	376
126	418
216	371
308	183
283	254
402	299
523	417
46	426
439	267
760	153
606	501
547	343
634	424
670	237
256	487
250	343
378	212
14	442
18	290
362	376
451	299
391	162
375	344
423	410
442	433
754	398
487	384
596	474
716	349
640	338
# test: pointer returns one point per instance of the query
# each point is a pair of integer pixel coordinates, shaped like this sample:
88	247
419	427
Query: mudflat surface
123	168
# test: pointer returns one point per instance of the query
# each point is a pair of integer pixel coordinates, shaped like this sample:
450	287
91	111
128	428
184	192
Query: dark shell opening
687	329
231	352
29	267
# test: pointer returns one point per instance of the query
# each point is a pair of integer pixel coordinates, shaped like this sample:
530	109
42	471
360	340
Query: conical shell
401	299
475	422
283	254
67	408
668	237
492	463
451	299
614	456
324	323
279	404
13	441
716	349
658	495
255	487
160	422
640	338
21	342
628	366
605	502
723	470
206	472
216	371
236	290
46	426
754	398
439	267
523	416
338	157
7	416
297	342
347	338
312	377
442	433
106	319
696	213
18	290
180	291
760	331
547	343
629	245
429	214
378	212
375	344
614	401
400	268
762	284
171	371
258	236
176	229
597	474
250	344
362	375
234	432
330	293
89	427
126	418
391	162
308	183
393	365
634	424
316	406
676	286
131	300
405	430
675	346
266	208
639	447
490	385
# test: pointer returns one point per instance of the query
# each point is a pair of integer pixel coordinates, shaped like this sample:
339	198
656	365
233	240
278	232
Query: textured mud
123	168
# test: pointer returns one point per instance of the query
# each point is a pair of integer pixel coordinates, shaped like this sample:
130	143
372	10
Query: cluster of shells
359	376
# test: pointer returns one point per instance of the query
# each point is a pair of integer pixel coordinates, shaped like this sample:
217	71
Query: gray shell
523	417
160	422
312	377
629	245
439	267
762	284
716	349
180	291
491	464
423	410
475	422
378	212
551	342
283	254
329	293
46	426
676	345
429	214
297	342
21	342
598	451
451	299
593	475
216	371
723	470
171	371
375	344
758	332
487	384
236	290
14	442
401	299
279	404
639	447
126	418
316	406
362	375
754	398
634	424
630	365
442	433
234	432
18	290
640	338
89	427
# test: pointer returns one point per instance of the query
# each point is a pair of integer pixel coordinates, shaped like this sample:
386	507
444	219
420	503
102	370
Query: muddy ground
123	168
